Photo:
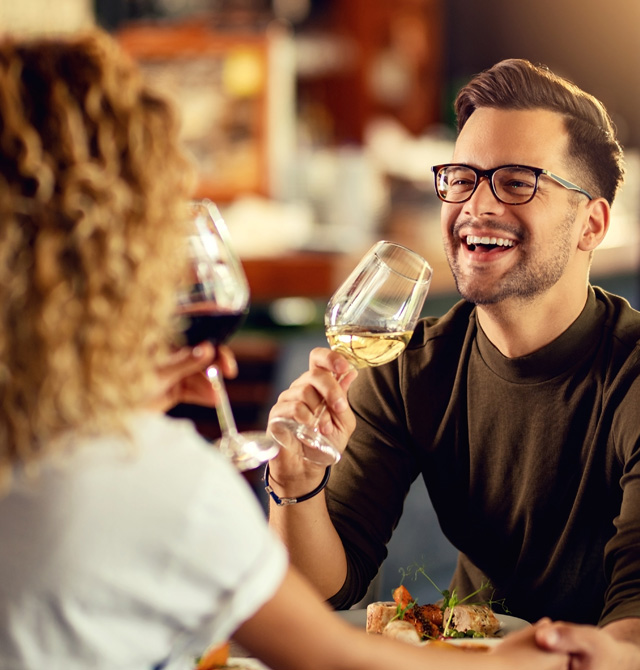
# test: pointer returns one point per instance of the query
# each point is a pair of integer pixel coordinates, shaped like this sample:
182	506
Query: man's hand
183	377
592	648
327	380
314	545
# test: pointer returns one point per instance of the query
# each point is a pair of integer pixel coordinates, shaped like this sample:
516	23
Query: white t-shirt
130	552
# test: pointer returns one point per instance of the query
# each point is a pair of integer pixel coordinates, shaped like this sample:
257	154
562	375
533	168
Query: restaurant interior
314	124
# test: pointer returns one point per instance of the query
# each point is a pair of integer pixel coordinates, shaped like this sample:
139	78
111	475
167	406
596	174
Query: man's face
535	243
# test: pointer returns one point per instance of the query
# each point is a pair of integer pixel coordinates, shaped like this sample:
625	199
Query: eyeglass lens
512	184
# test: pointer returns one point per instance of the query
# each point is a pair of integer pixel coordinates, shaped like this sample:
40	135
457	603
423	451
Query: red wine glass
213	306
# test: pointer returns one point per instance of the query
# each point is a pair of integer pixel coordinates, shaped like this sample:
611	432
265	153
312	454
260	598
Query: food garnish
216	656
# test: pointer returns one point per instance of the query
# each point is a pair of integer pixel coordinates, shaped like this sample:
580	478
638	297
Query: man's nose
483	201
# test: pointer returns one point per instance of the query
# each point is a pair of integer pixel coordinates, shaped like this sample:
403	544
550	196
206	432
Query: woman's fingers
182	378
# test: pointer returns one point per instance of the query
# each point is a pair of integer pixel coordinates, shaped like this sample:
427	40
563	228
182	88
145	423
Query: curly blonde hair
92	179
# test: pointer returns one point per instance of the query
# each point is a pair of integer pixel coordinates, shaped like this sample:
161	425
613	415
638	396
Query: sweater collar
553	359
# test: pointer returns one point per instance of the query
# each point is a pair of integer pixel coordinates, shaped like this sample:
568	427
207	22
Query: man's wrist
283	501
625	630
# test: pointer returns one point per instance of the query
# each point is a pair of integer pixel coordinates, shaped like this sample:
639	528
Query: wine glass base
248	450
311	443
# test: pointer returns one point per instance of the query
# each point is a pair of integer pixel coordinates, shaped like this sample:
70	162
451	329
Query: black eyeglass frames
510	184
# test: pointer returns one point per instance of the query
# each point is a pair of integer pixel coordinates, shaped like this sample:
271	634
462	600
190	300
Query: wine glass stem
223	406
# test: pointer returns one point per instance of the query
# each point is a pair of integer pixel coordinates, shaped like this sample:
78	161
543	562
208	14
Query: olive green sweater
532	463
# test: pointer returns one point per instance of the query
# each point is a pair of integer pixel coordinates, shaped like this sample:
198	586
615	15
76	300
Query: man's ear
596	224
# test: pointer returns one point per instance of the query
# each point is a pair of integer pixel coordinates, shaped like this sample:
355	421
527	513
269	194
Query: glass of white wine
369	320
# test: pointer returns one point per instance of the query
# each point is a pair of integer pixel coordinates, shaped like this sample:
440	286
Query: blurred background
314	124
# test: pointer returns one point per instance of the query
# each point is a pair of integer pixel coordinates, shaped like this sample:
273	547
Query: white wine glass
213	305
369	320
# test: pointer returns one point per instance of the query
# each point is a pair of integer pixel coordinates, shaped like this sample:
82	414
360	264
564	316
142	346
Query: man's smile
486	243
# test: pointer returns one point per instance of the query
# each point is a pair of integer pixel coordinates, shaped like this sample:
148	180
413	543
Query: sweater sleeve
622	555
398	416
367	489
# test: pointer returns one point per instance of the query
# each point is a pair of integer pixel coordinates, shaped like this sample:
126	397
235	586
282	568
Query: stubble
533	275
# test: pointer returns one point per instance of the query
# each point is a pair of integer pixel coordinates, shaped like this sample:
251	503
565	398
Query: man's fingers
326	359
564	637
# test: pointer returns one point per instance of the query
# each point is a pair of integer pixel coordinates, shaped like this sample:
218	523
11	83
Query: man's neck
519	327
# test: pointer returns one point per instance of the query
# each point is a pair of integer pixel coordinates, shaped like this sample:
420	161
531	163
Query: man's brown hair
519	84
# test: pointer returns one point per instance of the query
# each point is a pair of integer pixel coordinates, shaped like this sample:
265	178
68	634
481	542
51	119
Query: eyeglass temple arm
567	184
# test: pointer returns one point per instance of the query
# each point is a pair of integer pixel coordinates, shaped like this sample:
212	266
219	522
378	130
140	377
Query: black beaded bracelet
292	501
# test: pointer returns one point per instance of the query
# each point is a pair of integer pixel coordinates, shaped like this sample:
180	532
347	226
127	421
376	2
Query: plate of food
508	624
470	625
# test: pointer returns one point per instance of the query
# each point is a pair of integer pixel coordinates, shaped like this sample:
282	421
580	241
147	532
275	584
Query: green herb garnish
401	611
450	600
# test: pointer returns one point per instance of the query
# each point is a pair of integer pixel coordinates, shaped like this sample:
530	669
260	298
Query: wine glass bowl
371	317
212	305
369	320
215	300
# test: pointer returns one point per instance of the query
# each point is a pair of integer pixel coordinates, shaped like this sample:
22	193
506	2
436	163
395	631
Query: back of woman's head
91	181
519	85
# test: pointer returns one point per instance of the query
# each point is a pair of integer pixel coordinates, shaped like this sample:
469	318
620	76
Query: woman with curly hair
91	182
126	540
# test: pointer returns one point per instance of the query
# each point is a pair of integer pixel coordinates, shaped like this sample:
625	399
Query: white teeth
500	241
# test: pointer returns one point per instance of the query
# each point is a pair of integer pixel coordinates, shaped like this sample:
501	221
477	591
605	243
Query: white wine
367	348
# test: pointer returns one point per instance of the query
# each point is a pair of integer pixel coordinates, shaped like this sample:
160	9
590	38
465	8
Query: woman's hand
520	650
183	377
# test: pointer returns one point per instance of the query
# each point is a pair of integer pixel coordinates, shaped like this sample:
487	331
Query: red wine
215	327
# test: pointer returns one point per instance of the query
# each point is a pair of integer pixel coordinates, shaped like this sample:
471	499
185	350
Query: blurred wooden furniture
231	91
387	63
317	275
300	274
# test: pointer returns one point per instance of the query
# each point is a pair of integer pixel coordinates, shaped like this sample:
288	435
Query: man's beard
531	277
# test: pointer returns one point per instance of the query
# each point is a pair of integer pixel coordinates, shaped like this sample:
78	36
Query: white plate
472	641
510	624
246	664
